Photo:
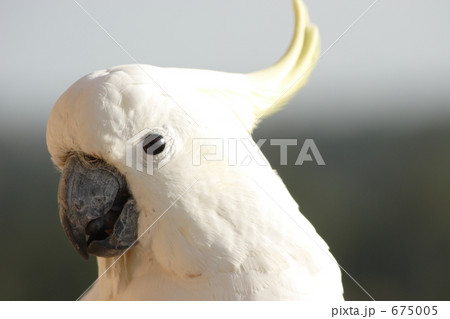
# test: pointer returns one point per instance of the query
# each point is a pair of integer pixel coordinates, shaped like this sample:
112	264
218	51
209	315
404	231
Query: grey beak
96	209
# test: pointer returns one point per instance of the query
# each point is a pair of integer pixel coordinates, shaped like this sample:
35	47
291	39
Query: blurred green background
381	202
377	106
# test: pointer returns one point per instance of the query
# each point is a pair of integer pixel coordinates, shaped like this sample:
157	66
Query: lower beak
96	209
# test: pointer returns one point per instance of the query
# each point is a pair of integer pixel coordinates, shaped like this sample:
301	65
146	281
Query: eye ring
154	144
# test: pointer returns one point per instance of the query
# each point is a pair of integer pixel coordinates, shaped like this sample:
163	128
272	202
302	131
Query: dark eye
153	144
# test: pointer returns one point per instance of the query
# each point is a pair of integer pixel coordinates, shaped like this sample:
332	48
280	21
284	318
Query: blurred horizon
381	203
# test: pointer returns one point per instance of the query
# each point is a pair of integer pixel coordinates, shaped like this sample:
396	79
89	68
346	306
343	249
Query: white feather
236	233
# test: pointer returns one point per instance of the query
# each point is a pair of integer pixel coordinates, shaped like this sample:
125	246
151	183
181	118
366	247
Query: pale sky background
392	67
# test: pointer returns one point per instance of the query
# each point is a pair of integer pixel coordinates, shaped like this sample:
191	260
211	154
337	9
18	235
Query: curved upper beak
96	210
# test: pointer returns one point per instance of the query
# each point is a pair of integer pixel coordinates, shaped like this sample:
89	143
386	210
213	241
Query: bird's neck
114	274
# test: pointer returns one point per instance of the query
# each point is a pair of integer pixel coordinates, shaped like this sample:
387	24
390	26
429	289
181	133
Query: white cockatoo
162	182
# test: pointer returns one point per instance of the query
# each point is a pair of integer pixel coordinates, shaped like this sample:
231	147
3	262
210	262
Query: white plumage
233	232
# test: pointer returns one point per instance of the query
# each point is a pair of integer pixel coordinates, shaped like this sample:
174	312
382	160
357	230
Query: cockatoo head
131	139
125	145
